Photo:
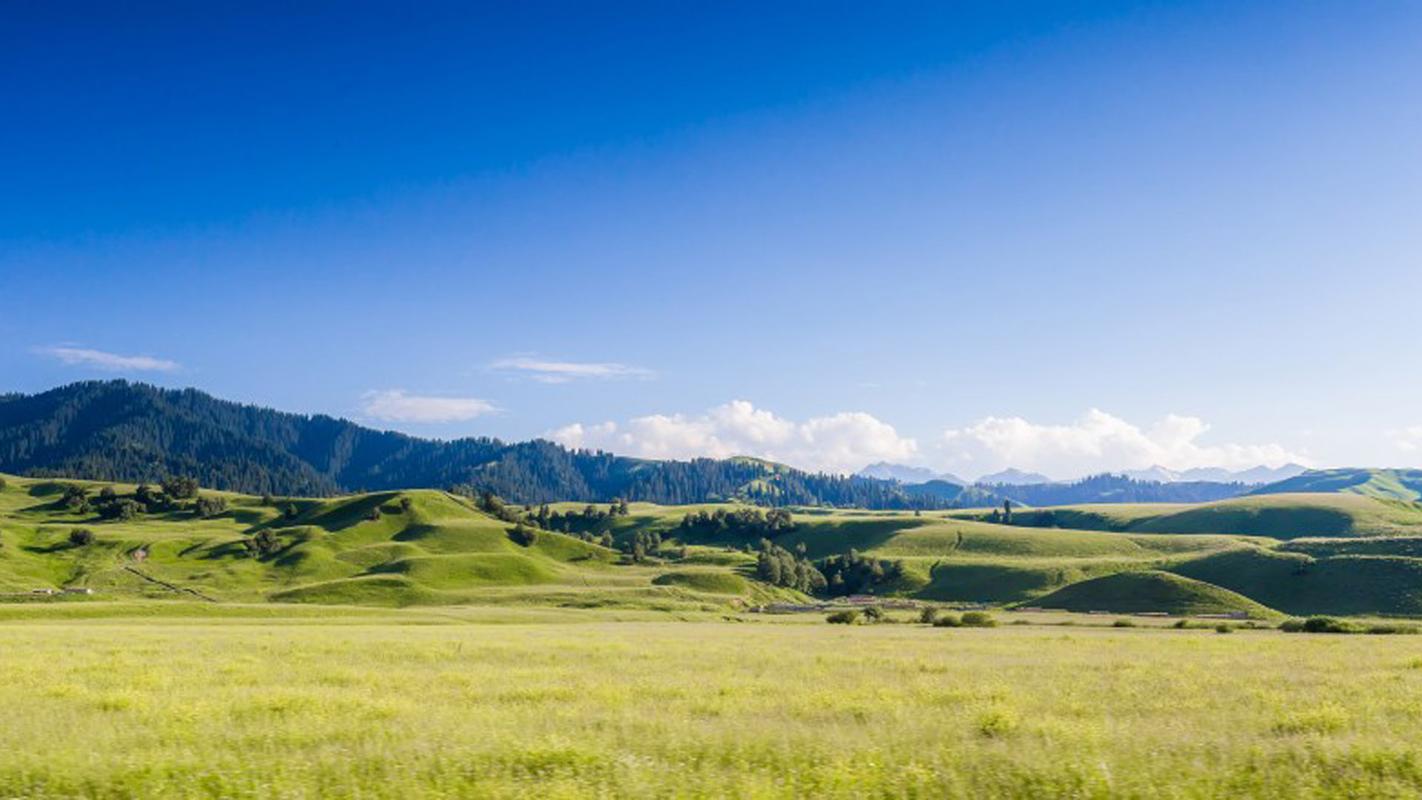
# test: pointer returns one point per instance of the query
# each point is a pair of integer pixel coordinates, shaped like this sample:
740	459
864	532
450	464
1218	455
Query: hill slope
1383	484
1136	592
390	548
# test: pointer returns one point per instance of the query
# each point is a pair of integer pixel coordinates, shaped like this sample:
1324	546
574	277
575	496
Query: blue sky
1064	237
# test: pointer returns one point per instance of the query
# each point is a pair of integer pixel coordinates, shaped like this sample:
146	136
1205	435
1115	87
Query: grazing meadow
207	702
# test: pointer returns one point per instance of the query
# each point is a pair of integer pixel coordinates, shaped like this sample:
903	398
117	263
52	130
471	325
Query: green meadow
420	644
226	702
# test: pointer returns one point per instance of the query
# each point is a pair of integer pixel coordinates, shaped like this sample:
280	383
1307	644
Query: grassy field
387	703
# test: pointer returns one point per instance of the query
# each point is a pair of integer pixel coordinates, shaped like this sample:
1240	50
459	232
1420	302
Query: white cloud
395	405
1100	442
1408	440
547	371
842	442
111	362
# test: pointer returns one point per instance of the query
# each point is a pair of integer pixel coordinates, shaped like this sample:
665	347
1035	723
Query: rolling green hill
390	548
1151	591
1299	554
1278	516
1384	484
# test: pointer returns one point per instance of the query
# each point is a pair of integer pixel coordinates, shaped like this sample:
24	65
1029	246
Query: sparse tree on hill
81	537
75	499
180	487
524	535
122	509
209	506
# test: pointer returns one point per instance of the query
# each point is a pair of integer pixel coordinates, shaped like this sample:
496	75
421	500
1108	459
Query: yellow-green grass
378	710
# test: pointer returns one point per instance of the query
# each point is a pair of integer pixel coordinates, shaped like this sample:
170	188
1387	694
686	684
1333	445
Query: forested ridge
122	431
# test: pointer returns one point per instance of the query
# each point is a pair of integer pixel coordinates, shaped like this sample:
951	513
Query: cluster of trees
639	546
857	573
262	544
583	524
739	522
780	567
174	493
523	535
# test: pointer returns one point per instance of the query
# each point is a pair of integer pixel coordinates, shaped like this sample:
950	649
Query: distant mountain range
133	432
1013	477
1255	476
903	473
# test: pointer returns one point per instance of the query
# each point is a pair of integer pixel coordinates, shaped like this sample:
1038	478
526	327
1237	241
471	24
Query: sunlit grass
376	708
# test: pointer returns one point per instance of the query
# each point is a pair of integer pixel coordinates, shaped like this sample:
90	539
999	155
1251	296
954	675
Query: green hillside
1385	484
1301	554
1278	516
1152	591
392	548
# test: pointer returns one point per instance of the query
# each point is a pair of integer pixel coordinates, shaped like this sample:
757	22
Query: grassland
1342	553
385	703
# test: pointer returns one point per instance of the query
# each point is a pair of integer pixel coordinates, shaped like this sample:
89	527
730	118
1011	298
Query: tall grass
115	708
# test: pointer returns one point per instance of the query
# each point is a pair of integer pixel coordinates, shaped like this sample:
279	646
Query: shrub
209	506
524	535
978	619
1318	625
1328	625
122	509
1123	623
1223	628
1390	628
80	537
406	504
262	543
948	621
873	614
848	616
1181	624
75	499
373	514
180	487
928	616
290	511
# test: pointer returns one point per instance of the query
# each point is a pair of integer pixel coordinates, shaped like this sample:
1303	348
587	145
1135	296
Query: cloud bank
395	405
1101	442
109	362
842	442
846	442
